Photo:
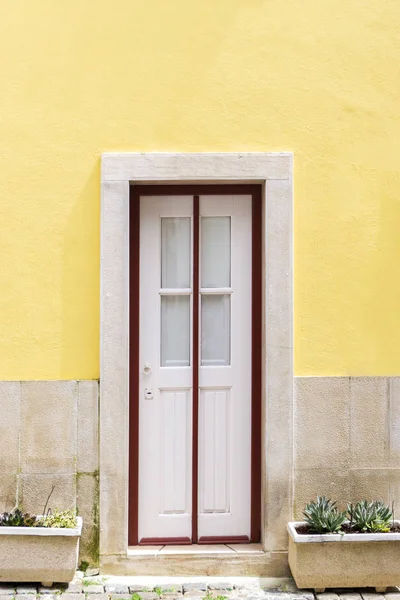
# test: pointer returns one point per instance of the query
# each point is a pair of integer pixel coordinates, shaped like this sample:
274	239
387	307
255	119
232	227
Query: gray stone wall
346	439
49	436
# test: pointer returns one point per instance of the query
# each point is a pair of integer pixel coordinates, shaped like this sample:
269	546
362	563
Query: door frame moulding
138	192
274	171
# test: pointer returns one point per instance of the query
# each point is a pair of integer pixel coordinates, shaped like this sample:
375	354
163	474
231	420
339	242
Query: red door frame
136	191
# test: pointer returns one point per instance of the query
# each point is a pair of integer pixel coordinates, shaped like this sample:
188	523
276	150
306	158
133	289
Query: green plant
370	516
136	596
322	516
65	519
158	591
17	519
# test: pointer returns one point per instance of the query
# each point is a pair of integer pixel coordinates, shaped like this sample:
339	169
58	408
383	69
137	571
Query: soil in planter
305	530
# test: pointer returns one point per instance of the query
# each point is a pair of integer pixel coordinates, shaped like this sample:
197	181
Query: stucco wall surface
320	79
49	437
346	440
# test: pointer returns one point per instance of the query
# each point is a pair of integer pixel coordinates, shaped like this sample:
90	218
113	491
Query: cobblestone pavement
125	588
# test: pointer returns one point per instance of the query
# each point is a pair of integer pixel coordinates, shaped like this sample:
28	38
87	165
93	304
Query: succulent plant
371	517
322	516
17	519
64	519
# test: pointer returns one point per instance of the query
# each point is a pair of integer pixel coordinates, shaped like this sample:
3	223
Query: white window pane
215	252
175	331
175	252
215	329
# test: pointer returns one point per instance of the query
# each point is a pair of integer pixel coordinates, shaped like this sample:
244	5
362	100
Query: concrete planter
40	554
344	561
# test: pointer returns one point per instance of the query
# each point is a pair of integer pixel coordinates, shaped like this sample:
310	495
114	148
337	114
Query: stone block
48	426
10	402
90	596
327	596
277	467
310	483
8	492
375	484
7	590
68	596
170	587
35	488
87	505
394	419
322	422
134	589
370	423
26	589
88	433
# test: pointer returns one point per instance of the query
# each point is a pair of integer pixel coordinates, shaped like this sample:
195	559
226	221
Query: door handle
147	369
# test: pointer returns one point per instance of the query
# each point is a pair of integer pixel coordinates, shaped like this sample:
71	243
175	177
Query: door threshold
197	560
197	549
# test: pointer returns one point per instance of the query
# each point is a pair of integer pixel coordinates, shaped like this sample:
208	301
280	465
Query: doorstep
212	560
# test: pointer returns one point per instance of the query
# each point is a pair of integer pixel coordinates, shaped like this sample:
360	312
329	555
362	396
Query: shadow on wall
81	284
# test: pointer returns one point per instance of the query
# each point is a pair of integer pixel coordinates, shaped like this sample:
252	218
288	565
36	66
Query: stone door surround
118	172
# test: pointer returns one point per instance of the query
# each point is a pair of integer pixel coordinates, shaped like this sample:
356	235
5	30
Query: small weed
83	566
88	582
158	591
136	596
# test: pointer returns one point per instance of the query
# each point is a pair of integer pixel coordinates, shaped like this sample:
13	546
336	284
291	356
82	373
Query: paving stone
373	596
134	589
169	587
49	591
197	585
350	596
93	589
91	572
7	590
149	596
75	587
327	596
71	596
126	596
392	596
6	596
302	595
117	588
26	589
25	596
99	597
222	585
194	594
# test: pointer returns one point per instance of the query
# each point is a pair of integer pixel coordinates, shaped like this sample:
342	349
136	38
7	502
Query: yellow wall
320	78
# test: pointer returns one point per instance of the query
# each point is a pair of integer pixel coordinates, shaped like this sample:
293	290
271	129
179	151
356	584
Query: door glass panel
215	329
215	252
175	252
175	331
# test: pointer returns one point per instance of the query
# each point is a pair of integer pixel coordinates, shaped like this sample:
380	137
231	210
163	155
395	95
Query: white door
166	367
225	366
